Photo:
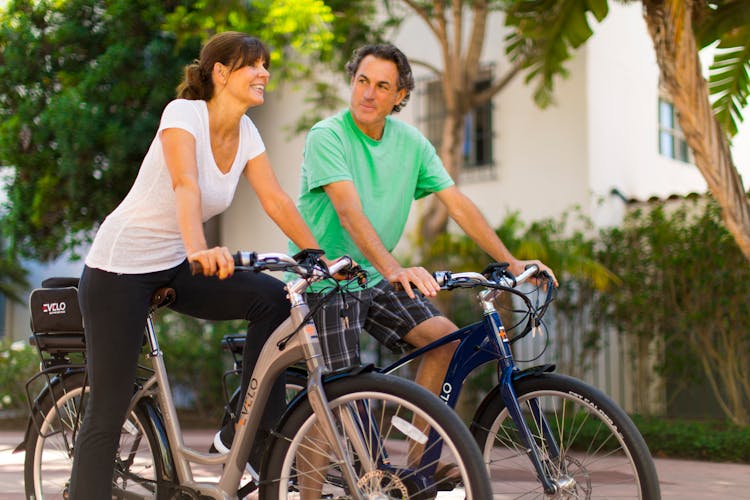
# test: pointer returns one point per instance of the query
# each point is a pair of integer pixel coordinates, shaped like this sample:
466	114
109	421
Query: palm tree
545	31
673	25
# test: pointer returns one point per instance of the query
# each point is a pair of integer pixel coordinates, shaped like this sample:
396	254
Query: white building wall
601	134
623	93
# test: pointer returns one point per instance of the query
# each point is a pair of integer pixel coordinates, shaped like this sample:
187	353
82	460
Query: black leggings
114	308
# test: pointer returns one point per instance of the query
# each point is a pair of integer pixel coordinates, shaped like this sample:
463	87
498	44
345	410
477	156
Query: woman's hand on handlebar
216	261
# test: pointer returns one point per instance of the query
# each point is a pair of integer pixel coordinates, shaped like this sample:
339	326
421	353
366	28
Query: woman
190	173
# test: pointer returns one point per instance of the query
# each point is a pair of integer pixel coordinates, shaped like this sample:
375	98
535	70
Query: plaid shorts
386	314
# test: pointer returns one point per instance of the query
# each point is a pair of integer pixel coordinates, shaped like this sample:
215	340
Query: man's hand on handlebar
216	261
406	277
518	266
354	271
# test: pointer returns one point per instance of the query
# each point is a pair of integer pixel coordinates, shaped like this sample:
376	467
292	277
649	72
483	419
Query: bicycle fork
542	458
319	404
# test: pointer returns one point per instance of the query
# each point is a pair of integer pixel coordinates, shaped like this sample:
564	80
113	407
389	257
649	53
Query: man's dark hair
389	53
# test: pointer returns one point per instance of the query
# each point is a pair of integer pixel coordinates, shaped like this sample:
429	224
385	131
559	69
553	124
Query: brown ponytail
196	84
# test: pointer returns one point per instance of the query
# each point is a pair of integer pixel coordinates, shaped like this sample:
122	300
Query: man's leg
396	319
434	364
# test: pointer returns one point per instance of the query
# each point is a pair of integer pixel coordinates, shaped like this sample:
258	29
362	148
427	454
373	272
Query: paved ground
681	479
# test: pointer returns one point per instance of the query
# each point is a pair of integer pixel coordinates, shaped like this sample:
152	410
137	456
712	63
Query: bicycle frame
480	343
304	345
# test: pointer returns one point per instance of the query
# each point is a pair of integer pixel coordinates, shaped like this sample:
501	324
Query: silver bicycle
348	434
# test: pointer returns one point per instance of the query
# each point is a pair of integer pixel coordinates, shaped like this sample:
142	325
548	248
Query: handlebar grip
247	259
442	278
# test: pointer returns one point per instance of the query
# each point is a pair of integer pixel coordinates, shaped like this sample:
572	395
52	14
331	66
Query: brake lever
359	274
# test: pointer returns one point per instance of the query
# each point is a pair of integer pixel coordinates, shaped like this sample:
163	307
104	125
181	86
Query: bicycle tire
49	448
601	449
393	402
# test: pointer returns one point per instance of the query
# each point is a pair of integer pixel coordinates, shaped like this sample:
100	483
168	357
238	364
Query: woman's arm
277	203
178	146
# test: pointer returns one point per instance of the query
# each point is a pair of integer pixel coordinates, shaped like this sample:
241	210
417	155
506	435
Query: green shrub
18	362
716	441
195	360
684	288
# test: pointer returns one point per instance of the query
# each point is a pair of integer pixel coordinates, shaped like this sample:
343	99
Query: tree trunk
435	221
669	23
461	56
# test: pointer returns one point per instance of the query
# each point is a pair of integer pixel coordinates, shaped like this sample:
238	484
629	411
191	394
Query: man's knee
430	330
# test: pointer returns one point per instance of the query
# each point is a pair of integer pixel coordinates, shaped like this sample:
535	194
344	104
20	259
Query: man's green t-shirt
388	174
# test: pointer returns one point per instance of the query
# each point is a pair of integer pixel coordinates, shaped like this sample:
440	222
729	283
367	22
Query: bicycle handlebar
449	280
306	264
496	278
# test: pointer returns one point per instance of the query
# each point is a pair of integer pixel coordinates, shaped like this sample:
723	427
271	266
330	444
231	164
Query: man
361	171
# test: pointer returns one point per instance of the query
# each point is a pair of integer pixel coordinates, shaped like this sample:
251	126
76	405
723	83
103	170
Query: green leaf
729	84
543	35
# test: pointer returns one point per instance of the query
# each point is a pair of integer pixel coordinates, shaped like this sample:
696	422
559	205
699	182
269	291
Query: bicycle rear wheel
392	458
601	453
52	437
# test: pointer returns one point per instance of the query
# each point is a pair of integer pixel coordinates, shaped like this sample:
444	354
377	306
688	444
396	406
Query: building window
672	143
477	147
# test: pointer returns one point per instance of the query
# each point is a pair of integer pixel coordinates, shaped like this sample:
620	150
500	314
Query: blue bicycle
542	434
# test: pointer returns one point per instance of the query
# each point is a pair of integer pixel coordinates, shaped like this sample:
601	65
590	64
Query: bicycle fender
156	422
532	371
57	379
330	377
22	445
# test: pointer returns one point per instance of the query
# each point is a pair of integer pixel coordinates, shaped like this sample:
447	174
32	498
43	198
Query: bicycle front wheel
400	439
52	438
590	447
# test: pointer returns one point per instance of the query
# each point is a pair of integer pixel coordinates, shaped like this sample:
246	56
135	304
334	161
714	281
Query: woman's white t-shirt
141	235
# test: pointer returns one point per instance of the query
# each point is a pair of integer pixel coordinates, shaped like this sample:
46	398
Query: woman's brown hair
230	48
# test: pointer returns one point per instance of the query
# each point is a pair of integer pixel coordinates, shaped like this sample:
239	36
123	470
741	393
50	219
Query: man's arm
468	216
346	201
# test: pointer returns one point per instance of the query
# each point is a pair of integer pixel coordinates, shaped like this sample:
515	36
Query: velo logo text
54	308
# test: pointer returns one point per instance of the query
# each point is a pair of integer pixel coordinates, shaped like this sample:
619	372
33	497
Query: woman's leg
114	309
256	297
